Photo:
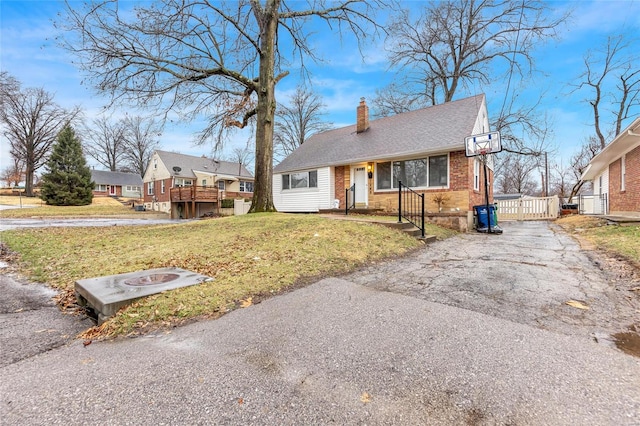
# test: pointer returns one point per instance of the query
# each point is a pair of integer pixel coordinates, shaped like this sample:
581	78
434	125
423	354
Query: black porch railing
349	198
411	207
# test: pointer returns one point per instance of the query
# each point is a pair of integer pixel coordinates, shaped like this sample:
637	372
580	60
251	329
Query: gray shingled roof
434	129
104	177
188	163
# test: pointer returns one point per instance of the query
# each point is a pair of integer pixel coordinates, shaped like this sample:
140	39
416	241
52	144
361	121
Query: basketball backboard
486	143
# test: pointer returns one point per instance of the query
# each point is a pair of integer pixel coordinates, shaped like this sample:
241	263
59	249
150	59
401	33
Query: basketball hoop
486	143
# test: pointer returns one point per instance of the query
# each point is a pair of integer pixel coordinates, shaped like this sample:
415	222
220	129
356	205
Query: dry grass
621	241
249	256
100	207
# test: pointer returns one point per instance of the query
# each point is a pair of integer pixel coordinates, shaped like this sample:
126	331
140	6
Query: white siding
307	199
156	173
601	192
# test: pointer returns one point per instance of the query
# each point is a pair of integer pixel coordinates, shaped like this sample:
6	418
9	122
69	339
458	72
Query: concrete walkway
369	348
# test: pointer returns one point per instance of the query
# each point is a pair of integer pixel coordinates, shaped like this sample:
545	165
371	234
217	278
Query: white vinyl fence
541	208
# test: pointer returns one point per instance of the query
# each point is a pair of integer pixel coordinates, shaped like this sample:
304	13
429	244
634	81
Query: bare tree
104	142
393	99
220	59
241	155
617	62
579	162
613	79
461	42
31	121
13	174
517	175
297	120
140	141
560	181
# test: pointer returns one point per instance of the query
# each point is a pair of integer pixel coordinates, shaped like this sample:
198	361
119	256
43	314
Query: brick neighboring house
187	186
116	184
615	174
425	149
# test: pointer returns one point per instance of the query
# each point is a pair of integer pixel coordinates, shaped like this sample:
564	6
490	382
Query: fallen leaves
576	304
365	398
246	302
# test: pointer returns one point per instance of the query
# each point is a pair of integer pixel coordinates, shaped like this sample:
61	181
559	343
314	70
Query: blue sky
29	52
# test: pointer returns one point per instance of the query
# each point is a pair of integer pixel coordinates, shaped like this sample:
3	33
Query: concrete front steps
409	229
406	227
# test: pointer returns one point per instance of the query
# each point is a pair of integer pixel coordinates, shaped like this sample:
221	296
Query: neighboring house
187	186
116	184
425	149
615	173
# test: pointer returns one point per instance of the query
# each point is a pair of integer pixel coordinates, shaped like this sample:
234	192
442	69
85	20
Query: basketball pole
486	191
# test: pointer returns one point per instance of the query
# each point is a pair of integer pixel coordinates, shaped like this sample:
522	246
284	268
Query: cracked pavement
471	330
524	275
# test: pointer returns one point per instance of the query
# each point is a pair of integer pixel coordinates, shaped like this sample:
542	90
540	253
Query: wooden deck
203	194
187	198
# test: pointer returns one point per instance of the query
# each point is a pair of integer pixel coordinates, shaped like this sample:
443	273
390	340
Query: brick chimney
363	117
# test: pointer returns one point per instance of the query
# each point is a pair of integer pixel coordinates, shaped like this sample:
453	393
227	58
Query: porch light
370	170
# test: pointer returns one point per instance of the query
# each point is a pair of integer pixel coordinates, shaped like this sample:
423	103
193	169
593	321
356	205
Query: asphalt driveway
472	330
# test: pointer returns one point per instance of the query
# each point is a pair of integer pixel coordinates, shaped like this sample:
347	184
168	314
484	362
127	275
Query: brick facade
157	191
629	199
340	184
460	195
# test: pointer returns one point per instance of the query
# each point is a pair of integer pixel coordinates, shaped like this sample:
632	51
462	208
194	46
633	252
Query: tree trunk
28	179
262	191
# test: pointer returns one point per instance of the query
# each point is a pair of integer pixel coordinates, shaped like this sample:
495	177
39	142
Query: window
623	172
476	174
204	182
162	187
133	188
300	180
101	188
421	173
246	186
183	182
221	185
150	186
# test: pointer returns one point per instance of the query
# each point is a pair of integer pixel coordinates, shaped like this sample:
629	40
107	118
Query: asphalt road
390	344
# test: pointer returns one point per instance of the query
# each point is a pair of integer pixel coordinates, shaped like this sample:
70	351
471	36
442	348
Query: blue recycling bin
483	217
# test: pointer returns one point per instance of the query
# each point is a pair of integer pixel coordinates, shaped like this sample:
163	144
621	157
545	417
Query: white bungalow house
615	174
425	149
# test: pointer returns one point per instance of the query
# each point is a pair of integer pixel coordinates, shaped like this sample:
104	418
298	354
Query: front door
112	190
360	180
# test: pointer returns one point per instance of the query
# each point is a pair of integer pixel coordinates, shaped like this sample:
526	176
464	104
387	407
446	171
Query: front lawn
249	257
621	241
100	207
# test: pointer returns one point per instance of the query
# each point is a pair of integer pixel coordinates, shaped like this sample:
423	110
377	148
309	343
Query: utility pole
546	175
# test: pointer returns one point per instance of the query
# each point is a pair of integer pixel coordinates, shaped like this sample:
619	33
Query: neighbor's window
150	186
221	185
162	187
204	182
421	173
183	182
131	188
246	186
300	180
101	188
